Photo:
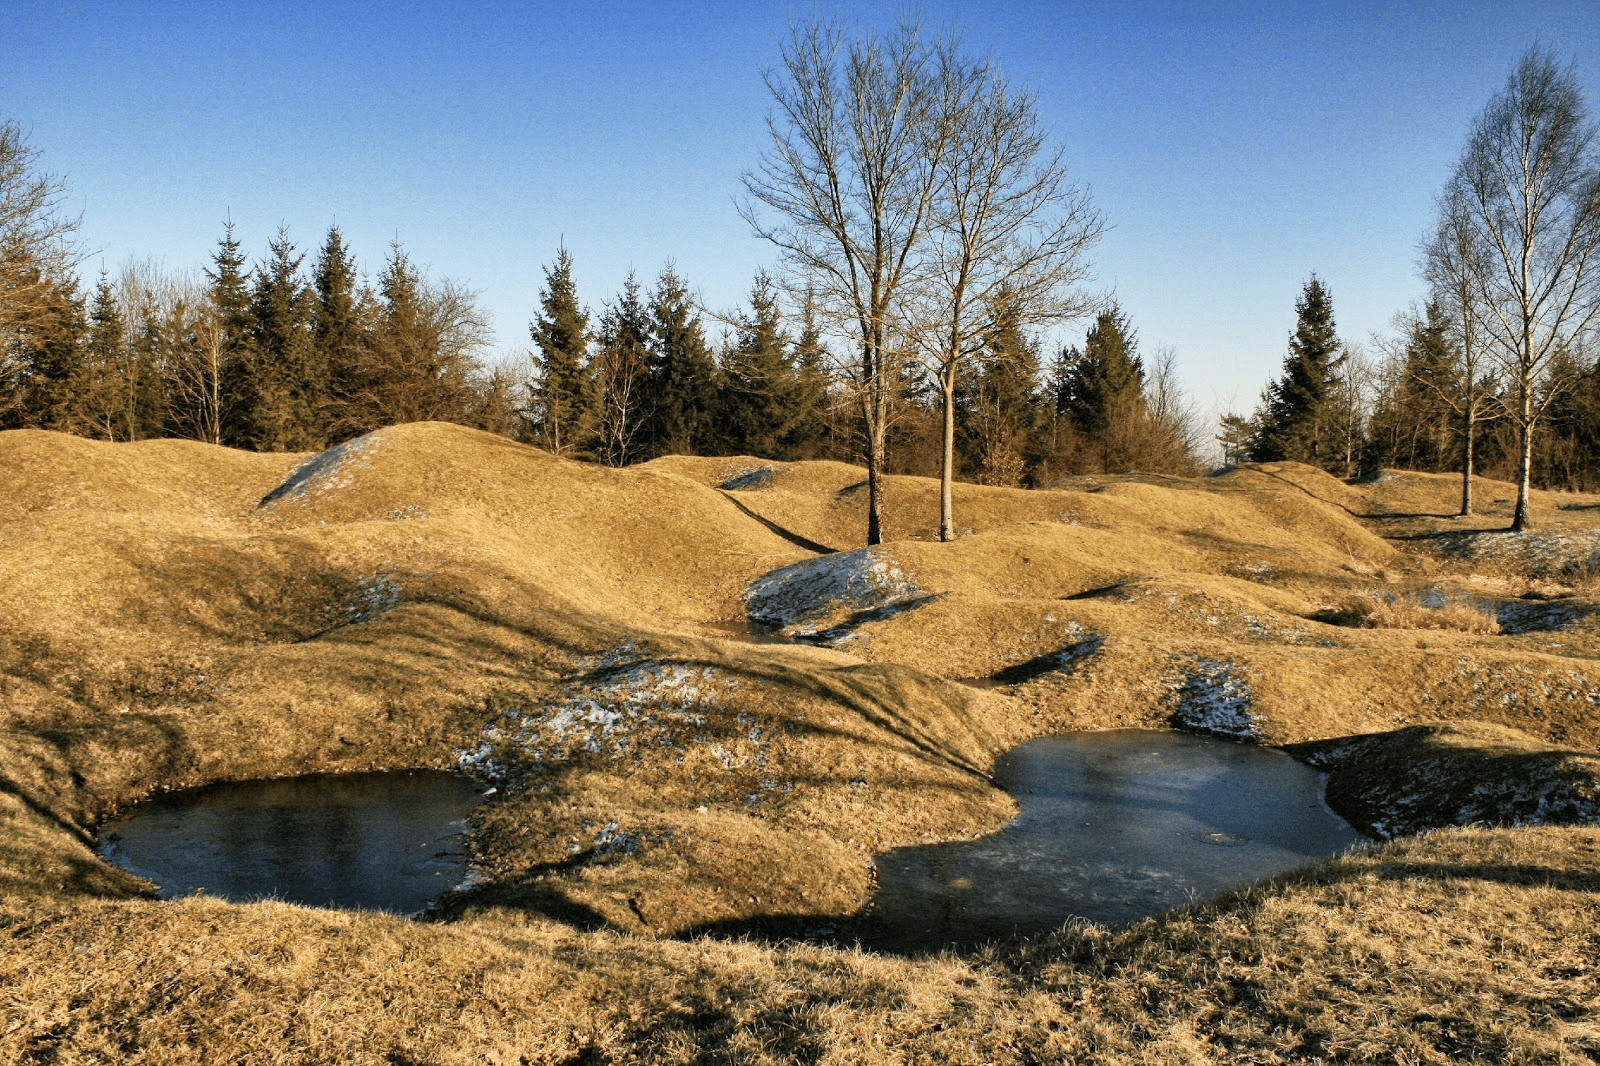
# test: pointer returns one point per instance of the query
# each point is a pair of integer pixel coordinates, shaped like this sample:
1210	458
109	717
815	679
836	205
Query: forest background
297	348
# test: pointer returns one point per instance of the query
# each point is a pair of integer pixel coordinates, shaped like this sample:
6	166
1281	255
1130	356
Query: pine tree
338	334
621	377
45	355
683	376
283	385
99	386
229	294
811	433
1104	382
765	399
1000	403
1412	424
562	396
1294	424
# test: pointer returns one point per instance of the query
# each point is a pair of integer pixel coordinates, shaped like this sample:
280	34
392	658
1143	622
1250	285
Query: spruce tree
48	357
1104	383
621	379
683	376
765	398
1294	424
338	336
999	402
228	289
283	388
809	434
562	396
99	388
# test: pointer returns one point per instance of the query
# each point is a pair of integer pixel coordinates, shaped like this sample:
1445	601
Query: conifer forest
956	364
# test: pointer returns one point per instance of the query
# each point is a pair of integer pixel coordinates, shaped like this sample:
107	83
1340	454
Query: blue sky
1234	148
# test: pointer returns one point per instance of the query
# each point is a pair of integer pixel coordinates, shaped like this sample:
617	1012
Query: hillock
691	675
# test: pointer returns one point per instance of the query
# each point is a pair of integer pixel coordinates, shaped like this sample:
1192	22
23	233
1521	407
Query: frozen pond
1114	826
377	841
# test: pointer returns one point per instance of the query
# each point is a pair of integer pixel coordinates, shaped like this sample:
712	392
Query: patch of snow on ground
814	591
617	710
373	598
1536	553
1211	699
327	470
758	478
1541	616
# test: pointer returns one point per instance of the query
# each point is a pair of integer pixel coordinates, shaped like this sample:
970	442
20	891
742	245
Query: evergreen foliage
339	336
1294	422
998	403
284	384
1104	383
768	404
621	383
683	376
1413	422
562	395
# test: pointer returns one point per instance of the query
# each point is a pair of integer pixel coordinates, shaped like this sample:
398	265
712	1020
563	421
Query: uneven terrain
703	709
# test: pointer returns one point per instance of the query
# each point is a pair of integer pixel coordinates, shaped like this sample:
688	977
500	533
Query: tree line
1497	372
295	352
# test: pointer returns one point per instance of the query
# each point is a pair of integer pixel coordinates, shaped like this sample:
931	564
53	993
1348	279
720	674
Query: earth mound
704	706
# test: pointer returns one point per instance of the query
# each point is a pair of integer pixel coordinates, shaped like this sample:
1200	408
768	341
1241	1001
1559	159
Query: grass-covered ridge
177	614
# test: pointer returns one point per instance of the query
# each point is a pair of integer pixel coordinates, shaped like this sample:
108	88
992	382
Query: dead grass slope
175	614
400	599
1462	946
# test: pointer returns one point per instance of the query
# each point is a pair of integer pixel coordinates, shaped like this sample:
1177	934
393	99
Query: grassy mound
178	614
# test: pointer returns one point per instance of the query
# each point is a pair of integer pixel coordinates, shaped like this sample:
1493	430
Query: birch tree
1522	211
1009	239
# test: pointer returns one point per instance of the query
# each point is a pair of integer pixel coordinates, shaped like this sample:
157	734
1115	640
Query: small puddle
1115	826
379	841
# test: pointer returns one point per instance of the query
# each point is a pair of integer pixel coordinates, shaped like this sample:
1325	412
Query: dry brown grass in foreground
1459	946
176	614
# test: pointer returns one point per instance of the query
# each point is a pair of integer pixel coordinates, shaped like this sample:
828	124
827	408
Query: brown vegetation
178	613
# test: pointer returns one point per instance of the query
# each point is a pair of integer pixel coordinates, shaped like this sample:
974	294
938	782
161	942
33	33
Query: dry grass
1462	946
441	591
1373	610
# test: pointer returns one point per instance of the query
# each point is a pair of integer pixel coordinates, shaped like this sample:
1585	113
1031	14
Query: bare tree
1452	259
1009	239
37	257
1351	406
1173	418
851	177
1522	217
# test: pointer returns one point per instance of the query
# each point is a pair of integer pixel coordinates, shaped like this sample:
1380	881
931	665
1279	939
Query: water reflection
379	841
1115	826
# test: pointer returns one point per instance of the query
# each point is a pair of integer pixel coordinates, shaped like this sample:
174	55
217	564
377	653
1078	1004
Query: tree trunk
875	456
1466	467
1519	519
947	521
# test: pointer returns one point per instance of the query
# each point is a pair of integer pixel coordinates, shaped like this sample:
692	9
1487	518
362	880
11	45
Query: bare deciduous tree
1452	259
851	177
37	256
1009	237
1521	217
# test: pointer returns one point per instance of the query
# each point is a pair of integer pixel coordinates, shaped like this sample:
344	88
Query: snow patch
327	471
816	592
757	478
1535	553
1211	699
1541	616
373	598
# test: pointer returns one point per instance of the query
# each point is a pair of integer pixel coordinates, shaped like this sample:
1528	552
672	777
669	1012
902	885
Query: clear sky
1234	148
